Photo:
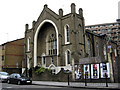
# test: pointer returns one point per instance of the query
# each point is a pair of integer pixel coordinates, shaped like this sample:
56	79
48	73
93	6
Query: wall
47	76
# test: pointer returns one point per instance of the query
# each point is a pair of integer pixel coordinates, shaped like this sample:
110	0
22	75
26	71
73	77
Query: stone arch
36	36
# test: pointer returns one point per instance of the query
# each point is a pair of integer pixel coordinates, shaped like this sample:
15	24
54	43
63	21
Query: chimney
45	6
26	27
60	13
81	12
33	24
73	10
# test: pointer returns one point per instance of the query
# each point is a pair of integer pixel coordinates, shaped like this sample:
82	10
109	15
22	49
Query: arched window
68	57
89	49
28	44
105	52
97	49
67	36
52	45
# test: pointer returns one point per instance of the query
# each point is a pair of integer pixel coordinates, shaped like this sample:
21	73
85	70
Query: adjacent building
112	30
12	54
0	57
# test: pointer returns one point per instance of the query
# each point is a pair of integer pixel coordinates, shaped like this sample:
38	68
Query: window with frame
52	45
68	55
89	48
51	60
67	36
43	61
3	47
97	49
28	44
3	57
105	52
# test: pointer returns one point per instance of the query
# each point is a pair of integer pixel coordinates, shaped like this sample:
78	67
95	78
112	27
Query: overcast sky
14	14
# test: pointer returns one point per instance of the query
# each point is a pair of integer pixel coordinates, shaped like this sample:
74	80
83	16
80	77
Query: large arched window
67	57
67	35
52	45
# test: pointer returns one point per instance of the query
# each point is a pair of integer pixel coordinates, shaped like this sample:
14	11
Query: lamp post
106	79
68	77
85	79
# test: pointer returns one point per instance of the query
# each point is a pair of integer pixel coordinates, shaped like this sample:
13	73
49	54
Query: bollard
106	79
68	80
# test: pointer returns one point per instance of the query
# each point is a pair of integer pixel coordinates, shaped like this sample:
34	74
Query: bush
40	70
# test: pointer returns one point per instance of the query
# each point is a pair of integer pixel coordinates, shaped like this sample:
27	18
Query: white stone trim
36	36
66	57
66	34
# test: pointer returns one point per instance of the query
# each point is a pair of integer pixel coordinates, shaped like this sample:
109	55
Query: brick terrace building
12	56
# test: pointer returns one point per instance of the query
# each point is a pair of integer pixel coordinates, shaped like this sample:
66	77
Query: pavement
78	85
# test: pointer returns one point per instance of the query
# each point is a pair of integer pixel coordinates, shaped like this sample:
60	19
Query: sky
14	14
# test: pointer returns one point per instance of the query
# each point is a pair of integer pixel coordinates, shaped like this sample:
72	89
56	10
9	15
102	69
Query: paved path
79	84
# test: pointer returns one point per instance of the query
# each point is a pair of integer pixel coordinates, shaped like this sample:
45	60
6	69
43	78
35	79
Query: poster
86	71
78	72
105	68
95	71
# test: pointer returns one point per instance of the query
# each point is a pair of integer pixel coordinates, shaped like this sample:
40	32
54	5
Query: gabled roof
48	10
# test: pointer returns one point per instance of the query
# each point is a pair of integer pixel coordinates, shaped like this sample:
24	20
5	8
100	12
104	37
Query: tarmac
79	85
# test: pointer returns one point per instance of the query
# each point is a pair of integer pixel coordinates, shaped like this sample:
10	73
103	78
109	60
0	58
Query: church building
58	41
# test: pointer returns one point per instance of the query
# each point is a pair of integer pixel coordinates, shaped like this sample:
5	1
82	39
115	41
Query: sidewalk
79	84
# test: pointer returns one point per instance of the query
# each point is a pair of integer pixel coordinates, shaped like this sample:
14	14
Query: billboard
78	71
87	71
95	71
105	68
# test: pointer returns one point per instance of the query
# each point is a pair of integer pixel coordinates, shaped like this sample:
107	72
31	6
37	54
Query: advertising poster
95	71
78	71
105	68
86	71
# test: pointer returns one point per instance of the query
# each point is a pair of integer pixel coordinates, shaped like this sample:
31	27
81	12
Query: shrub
40	70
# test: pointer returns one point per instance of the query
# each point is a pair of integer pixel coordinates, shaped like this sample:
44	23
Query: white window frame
28	44
67	34
66	57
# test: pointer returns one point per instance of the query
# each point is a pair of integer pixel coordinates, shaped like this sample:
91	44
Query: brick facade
13	54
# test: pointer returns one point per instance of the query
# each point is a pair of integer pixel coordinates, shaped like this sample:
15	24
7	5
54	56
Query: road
6	86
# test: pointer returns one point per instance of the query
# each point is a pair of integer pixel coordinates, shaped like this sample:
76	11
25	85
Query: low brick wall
47	76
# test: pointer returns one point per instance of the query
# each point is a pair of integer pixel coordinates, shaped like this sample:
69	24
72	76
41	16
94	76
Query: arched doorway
46	32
